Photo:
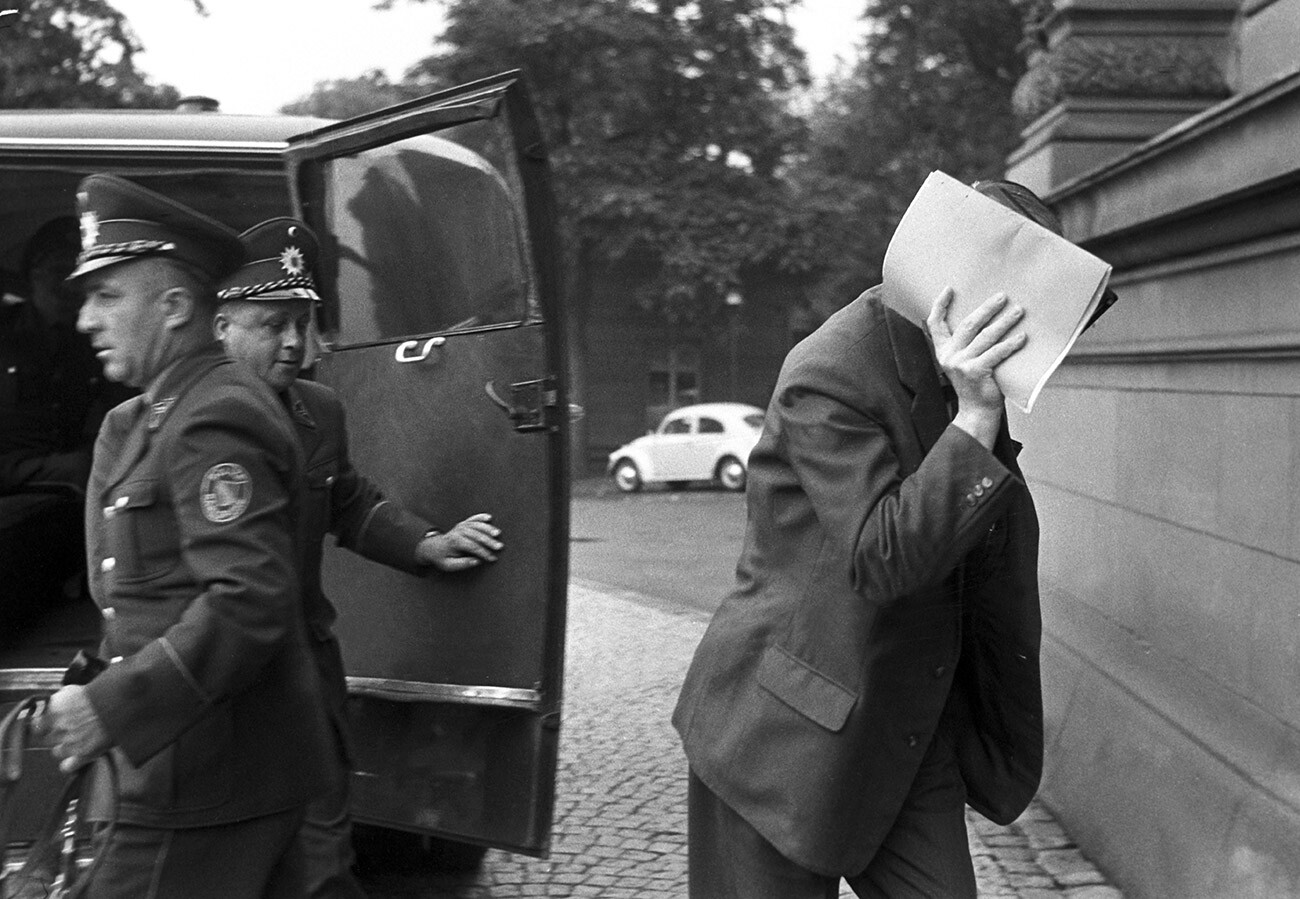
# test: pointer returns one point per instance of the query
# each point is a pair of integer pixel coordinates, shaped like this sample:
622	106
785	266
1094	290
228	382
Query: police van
442	331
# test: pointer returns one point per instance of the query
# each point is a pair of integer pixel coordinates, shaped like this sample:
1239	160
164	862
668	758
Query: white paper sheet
953	236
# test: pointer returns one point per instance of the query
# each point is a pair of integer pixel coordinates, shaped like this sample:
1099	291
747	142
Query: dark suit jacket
338	500
212	699
889	560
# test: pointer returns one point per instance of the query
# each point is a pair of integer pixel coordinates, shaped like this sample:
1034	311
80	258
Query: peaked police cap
122	221
280	256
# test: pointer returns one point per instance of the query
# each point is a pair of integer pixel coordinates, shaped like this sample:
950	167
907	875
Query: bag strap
15	733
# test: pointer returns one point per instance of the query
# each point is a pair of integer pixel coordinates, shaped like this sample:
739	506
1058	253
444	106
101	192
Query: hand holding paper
970	354
952	236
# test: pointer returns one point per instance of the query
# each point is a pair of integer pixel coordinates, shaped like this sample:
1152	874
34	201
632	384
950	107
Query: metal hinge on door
532	404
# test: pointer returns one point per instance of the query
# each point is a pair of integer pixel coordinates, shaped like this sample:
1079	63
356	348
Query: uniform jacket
212	700
889	560
338	500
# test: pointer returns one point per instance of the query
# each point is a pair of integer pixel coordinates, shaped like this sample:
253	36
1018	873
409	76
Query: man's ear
179	308
220	326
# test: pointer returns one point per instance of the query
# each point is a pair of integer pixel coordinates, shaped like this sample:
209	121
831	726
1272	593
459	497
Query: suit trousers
925	855
254	859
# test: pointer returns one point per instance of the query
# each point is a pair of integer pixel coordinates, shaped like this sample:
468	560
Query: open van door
442	328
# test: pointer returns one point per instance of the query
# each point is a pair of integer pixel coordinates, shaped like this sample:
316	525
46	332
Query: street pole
734	301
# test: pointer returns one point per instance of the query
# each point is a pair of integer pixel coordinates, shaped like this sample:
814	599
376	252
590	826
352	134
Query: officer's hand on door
467	545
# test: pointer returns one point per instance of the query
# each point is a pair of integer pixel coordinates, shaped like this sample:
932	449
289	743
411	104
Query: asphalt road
679	546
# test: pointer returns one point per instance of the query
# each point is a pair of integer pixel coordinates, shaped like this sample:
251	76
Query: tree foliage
343	98
668	125
74	54
931	89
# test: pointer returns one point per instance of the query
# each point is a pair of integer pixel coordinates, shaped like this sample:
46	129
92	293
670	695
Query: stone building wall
1165	456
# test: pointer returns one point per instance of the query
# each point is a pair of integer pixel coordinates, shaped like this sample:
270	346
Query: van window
463	265
32	193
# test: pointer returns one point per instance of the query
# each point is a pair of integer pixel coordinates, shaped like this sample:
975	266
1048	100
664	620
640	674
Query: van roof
156	126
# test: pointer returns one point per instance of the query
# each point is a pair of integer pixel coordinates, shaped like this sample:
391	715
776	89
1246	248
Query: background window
674	382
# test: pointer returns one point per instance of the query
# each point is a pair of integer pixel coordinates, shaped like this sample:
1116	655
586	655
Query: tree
670	130
342	98
75	54
668	125
931	89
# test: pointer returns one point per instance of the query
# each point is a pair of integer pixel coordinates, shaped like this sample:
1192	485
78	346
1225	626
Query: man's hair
1022	200
1026	202
199	284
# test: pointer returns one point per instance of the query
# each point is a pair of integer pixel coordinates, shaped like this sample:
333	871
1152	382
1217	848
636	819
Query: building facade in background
1165	453
639	365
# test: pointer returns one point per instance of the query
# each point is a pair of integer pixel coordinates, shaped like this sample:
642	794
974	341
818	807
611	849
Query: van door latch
531	405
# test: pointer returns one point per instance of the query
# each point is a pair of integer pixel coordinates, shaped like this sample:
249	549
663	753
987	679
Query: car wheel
626	476
731	473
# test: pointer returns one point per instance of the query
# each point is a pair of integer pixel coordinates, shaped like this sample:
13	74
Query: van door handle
528	404
406	349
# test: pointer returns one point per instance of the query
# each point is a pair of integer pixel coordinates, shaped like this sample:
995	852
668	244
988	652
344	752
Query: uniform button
108	564
109	511
969	500
115	659
912	740
121	502
13	369
108	612
979	490
329	481
940	670
987	482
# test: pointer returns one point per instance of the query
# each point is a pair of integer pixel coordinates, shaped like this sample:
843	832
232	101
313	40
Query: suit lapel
915	363
123	441
149	410
304	424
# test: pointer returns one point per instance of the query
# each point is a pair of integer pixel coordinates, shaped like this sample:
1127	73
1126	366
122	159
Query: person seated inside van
52	398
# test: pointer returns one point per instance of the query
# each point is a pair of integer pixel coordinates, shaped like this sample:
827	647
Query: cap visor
94	265
287	293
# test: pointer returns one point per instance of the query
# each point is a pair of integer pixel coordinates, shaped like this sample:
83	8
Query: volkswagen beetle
704	442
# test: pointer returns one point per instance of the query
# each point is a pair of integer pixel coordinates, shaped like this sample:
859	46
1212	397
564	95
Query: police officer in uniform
210	710
263	322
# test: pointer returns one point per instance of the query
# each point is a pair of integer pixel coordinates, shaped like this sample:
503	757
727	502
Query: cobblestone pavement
620	828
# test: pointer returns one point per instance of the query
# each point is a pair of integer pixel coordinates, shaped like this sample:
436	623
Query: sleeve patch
225	492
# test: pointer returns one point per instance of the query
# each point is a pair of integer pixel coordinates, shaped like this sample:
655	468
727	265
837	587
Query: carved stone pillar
1106	75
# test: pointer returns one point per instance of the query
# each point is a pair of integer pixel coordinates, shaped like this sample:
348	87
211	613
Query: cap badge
89	229
291	260
225	492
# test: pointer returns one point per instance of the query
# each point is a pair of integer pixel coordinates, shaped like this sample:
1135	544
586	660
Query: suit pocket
804	689
141	532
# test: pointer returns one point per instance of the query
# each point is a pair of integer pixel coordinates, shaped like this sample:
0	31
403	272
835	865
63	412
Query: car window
711	426
754	420
677	426
464	262
32	193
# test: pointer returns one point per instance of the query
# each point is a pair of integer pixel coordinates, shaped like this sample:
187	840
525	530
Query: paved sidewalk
620	830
